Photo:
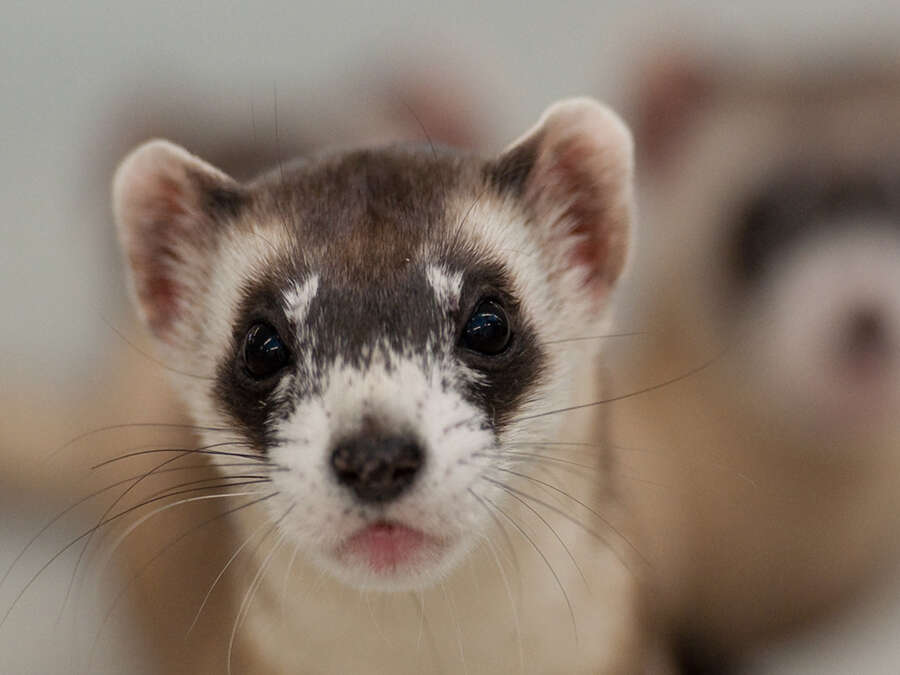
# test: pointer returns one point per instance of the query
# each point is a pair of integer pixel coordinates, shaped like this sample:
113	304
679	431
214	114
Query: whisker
555	533
420	596
542	458
622	397
244	609
596	337
556	489
131	425
131	528
287	577
459	633
88	497
677	457
118	499
228	563
150	357
204	450
139	573
282	204
412	112
113	518
544	558
506	586
242	480
248	477
568	463
558	443
680	458
505	535
374	619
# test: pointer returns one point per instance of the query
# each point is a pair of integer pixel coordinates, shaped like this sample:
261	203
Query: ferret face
815	262
374	325
789	206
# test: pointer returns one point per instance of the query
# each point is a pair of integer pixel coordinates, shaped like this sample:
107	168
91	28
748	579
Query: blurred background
247	84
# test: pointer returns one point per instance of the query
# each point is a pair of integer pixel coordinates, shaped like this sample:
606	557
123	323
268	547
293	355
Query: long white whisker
555	534
140	521
86	534
133	425
154	471
378	627
156	556
228	563
287	578
506	586
556	489
421	605
244	609
459	633
543	556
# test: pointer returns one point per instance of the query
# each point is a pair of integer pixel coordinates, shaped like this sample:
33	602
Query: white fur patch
298	297
402	394
446	285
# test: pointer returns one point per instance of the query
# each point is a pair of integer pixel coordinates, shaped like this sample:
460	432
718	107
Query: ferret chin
378	349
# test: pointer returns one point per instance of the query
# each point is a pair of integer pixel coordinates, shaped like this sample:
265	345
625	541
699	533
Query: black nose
866	335
377	469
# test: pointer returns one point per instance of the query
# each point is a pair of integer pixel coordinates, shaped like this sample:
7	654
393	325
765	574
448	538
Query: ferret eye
264	352
487	330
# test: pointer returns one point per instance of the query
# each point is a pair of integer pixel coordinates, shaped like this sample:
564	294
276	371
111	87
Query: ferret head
777	200
815	266
374	324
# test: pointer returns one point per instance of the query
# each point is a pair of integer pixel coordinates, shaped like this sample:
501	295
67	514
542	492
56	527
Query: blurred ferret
764	478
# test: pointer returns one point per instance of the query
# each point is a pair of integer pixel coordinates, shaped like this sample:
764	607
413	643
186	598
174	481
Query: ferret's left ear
574	171
169	206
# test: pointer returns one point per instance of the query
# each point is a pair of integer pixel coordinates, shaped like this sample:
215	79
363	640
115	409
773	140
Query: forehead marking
298	297
446	285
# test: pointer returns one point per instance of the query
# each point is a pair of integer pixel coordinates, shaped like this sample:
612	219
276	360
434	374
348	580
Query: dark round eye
264	352
487	330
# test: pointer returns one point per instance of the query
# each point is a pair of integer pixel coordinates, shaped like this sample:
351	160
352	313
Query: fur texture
368	265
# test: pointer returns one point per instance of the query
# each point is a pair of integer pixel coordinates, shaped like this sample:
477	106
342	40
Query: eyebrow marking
298	297
446	285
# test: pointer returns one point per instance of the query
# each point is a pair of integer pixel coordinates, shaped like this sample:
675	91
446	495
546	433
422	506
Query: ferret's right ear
573	172
168	206
669	93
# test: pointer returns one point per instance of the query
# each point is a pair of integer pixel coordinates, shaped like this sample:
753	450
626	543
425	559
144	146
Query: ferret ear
168	206
574	172
669	93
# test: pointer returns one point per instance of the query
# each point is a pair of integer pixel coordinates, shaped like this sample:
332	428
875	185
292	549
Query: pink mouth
386	546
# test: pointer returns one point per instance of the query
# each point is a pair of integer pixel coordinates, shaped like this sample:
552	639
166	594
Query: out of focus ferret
764	479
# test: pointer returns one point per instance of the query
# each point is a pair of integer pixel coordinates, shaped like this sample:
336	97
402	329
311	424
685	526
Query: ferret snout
377	469
865	339
829	321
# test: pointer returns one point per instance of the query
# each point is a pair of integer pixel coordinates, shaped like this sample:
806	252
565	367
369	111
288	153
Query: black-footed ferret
771	265
379	351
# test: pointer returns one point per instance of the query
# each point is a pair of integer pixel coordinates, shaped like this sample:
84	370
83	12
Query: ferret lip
388	547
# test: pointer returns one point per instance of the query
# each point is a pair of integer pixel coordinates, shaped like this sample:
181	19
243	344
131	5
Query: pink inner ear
572	178
588	252
157	254
157	291
161	294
